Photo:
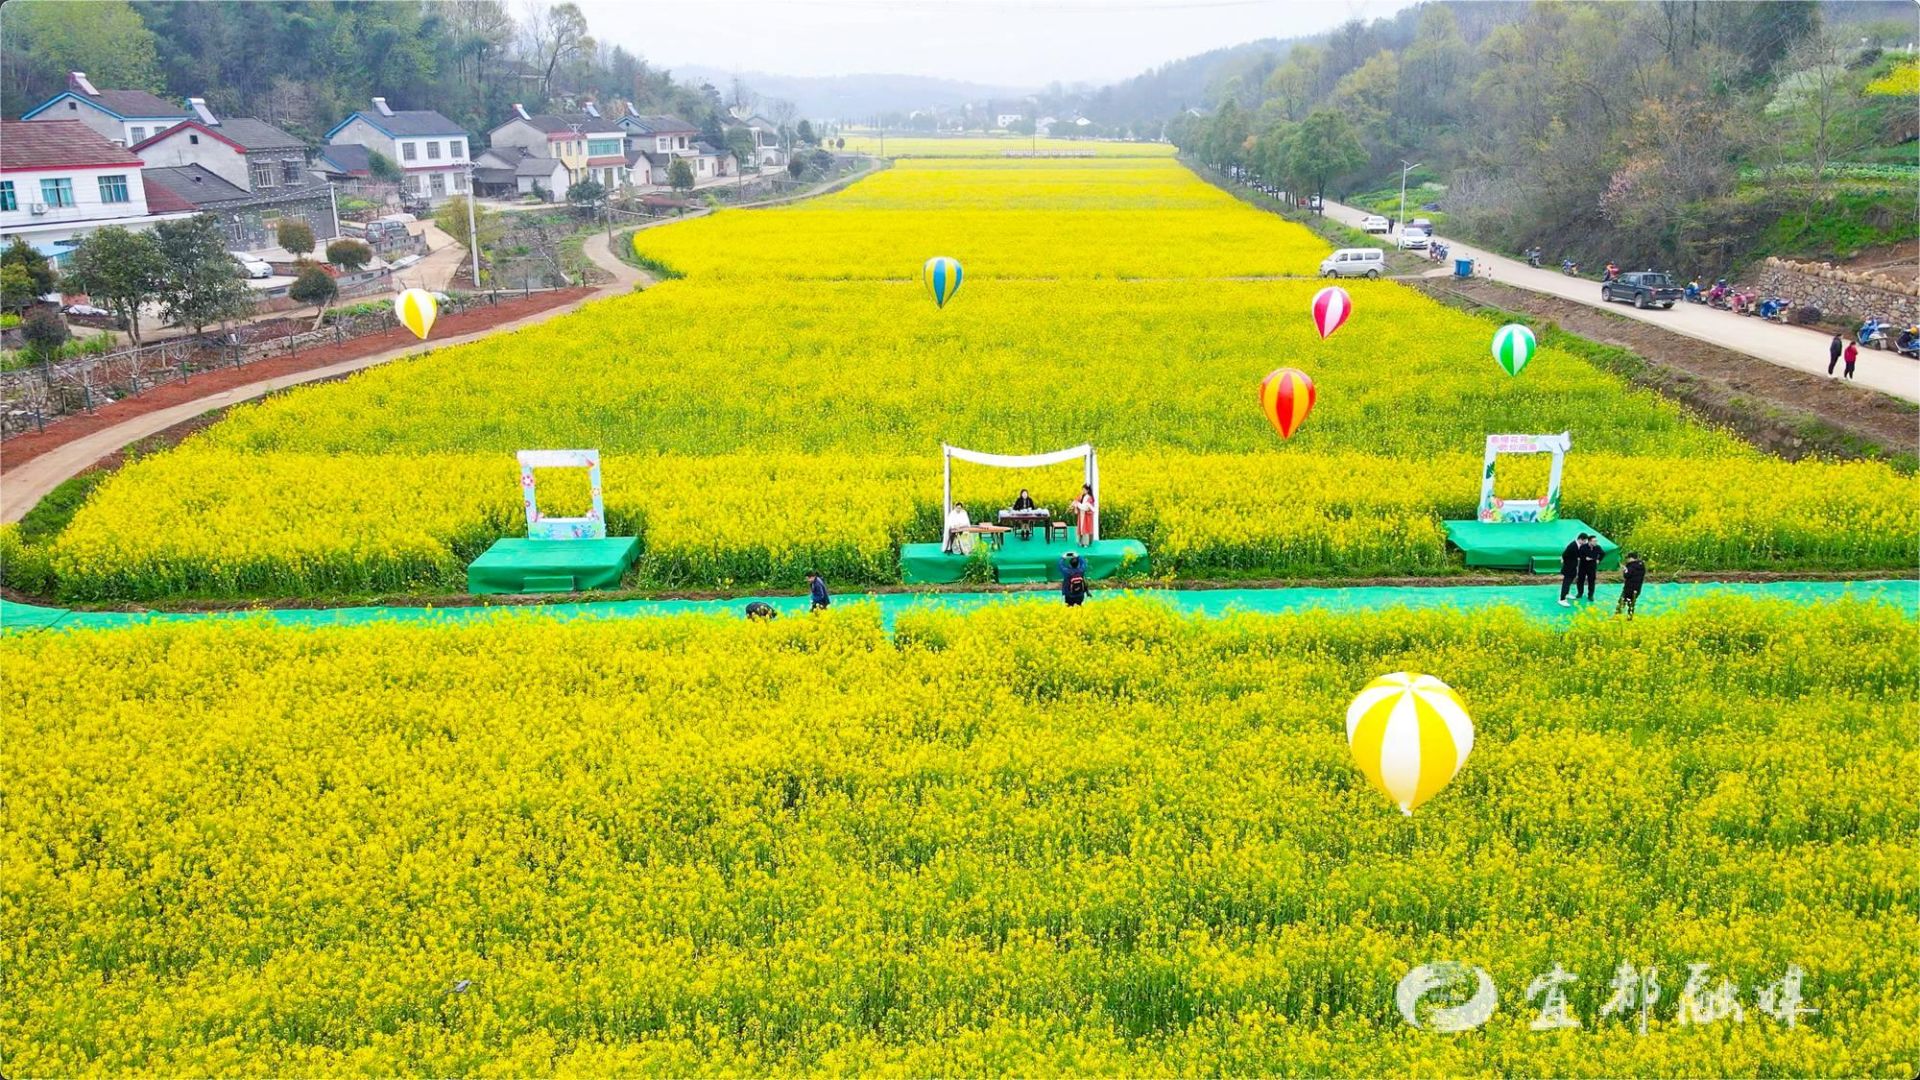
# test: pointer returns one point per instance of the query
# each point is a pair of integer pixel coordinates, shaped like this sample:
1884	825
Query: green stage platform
1524	545
520	565
1022	560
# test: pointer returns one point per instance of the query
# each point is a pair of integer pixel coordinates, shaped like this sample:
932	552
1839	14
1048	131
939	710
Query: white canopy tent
1018	461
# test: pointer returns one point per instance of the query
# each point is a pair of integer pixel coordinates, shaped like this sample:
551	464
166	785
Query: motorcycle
1569	268
1873	334
1533	258
1908	343
1612	273
1719	295
1694	295
1774	309
1437	252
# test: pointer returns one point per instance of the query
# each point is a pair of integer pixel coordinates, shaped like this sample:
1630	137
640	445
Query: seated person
958	542
1024	501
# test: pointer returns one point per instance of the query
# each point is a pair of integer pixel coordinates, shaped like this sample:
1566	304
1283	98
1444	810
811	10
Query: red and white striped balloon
1331	306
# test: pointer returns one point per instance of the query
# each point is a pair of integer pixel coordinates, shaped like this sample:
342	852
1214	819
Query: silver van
1354	262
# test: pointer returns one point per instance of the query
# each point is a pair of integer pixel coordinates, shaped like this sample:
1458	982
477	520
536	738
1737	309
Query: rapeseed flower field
1114	841
782	406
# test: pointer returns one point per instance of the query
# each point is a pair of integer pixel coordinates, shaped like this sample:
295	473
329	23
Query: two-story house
430	149
767	150
590	146
62	180
246	172
122	116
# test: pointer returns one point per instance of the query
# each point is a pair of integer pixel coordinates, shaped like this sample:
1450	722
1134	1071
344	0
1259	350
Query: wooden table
996	534
1025	520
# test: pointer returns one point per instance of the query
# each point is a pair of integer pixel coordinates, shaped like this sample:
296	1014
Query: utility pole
473	228
1401	221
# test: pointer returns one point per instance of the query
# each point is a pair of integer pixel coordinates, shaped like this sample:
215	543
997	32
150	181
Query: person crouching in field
1073	578
1633	575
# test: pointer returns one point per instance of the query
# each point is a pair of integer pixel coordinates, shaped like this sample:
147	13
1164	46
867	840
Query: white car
1373	223
1354	262
254	268
1413	239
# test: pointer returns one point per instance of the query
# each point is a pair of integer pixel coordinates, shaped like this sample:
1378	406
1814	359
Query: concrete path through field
1788	346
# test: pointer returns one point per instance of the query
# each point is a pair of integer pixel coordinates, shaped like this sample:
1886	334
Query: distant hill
852	96
1195	82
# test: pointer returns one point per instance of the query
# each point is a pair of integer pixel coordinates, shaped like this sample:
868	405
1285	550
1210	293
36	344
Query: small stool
1057	526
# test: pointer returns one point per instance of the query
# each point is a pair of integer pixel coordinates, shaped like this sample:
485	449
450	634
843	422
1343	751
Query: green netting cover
518	565
1022	561
1524	545
1540	602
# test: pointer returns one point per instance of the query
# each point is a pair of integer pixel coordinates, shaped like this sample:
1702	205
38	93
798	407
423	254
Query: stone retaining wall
1841	294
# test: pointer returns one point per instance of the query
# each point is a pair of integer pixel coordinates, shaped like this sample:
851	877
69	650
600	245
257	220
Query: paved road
21	488
1788	346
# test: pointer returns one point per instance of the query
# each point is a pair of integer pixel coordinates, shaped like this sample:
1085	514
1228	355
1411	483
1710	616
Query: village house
247	173
343	163
430	149
509	171
590	146
767	151
60	181
122	116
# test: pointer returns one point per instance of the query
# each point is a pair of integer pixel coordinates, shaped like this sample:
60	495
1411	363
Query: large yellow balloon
1409	735
416	310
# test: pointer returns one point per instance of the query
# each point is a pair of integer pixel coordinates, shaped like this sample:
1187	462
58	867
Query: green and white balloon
1513	346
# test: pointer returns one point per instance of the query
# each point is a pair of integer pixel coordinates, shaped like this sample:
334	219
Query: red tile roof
163	200
57	144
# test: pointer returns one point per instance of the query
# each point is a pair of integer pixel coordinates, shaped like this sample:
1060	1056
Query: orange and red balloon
1286	396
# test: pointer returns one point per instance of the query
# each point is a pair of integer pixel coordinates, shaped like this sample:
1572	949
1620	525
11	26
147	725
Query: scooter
1533	258
1719	295
1873	334
1612	273
1773	309
1694	295
1908	343
1569	268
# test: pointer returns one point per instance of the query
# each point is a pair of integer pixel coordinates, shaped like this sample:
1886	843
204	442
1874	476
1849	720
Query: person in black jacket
1073	578
1570	567
817	592
1023	501
1589	571
1633	576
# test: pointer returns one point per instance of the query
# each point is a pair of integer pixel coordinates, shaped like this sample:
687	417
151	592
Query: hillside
853	96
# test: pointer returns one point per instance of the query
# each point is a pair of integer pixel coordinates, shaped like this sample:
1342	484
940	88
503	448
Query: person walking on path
1852	354
1633	575
1834	348
1073	578
1589	573
817	589
1569	567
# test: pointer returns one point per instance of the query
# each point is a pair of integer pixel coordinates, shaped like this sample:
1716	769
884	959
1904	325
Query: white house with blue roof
431	150
122	116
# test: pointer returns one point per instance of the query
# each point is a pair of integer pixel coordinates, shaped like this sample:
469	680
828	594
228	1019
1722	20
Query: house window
459	183
135	135
603	147
263	174
439	182
7	201
409	151
73	107
290	171
433	150
113	189
194	139
57	192
456	148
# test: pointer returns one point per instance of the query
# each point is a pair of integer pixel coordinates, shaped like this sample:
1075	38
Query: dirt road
1788	346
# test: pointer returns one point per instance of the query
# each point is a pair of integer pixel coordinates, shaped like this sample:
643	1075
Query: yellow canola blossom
998	146
1009	842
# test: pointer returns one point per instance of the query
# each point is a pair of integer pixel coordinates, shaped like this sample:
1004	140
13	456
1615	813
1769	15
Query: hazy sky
1010	42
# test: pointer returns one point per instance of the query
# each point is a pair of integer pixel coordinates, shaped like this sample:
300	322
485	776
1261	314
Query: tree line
1601	129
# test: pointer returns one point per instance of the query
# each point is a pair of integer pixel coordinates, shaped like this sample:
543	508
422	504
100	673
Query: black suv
1645	290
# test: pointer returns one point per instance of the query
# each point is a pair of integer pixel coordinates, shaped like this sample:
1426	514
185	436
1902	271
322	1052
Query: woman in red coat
1083	506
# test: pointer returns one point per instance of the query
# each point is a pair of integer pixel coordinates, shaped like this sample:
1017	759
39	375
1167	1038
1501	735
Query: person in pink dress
1083	507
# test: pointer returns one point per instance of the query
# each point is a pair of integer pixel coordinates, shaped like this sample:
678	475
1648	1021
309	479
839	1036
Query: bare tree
781	112
1815	100
553	36
741	98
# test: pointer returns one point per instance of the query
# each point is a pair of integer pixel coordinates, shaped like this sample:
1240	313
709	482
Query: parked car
86	309
1373	223
1643	289
254	268
1412	239
1422	223
1354	262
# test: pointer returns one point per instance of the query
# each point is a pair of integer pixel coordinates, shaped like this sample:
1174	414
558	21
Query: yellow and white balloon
416	309
1409	734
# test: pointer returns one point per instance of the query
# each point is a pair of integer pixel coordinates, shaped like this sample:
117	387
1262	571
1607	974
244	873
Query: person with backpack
1073	578
1633	575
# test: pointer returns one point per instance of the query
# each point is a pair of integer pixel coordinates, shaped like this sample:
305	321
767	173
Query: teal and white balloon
943	279
1513	346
